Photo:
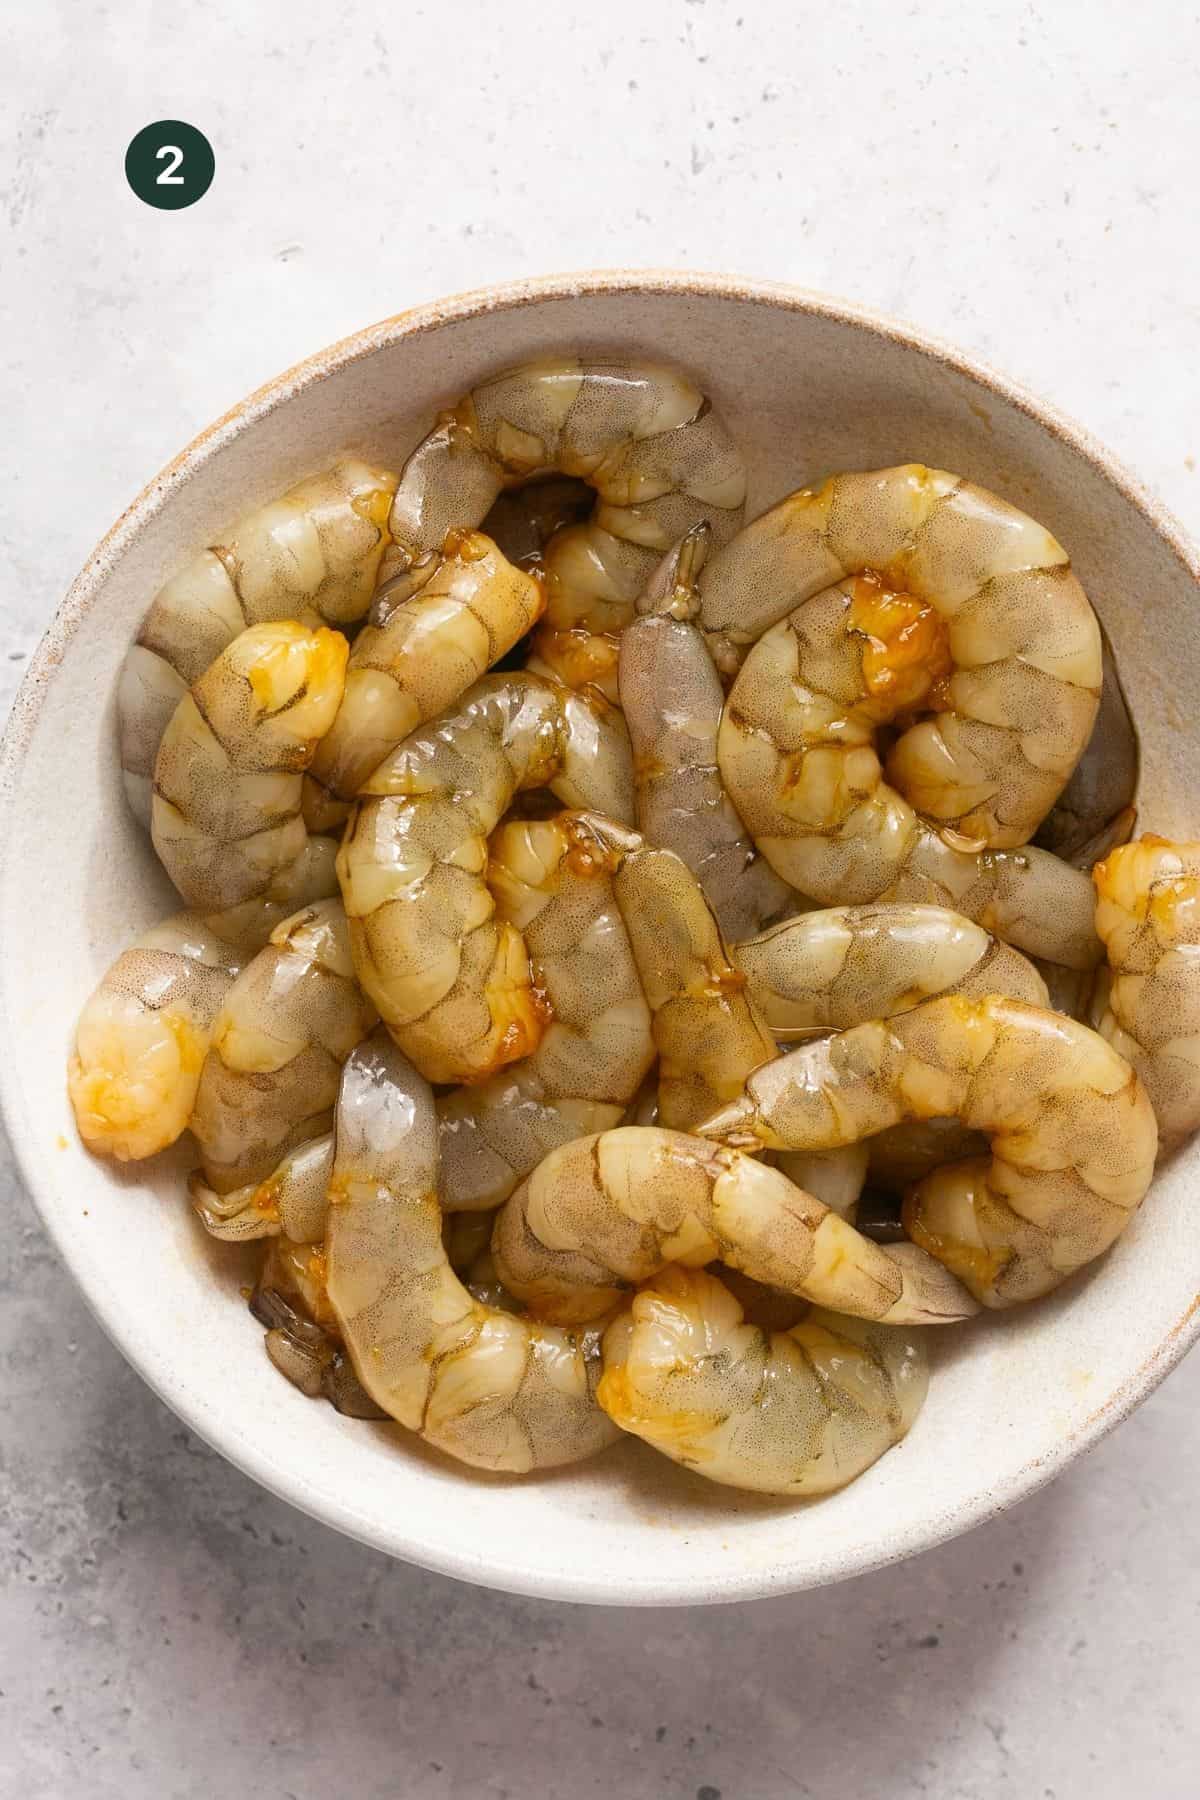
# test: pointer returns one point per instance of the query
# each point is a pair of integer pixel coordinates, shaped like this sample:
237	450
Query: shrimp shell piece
803	1411
1072	1131
226	818
270	1079
553	880
1148	915
672	699
291	1202
451	982
607	1212
143	1035
492	1390
472	608
314	552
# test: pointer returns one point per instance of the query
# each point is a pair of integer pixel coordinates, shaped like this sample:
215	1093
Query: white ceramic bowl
808	387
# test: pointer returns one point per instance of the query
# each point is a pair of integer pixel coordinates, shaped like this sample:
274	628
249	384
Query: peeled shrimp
1072	1131
798	1412
672	699
552	879
312	554
1148	914
471	606
604	1213
643	436
451	982
904	590
493	1390
270	1079
226	817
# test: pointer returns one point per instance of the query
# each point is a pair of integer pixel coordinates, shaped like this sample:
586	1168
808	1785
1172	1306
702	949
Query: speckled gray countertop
1020	179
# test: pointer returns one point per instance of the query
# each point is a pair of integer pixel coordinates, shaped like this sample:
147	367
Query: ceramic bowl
808	386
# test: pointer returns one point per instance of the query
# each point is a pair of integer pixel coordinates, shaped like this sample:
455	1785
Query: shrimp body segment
314	553
491	1389
605	1213
228	780
1072	1131
799	1412
451	981
1148	914
553	880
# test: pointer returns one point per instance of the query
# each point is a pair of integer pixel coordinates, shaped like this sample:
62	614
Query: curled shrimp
228	781
644	437
604	1213
1072	1131
471	606
552	879
493	1390
803	1411
895	592
270	1079
672	699
1148	1007
312	554
451	981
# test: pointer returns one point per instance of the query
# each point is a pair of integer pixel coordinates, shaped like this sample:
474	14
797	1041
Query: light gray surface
1021	183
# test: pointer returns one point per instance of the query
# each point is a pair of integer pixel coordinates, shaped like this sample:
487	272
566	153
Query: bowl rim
414	322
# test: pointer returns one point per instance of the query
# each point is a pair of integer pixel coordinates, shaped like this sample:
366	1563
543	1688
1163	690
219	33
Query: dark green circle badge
169	164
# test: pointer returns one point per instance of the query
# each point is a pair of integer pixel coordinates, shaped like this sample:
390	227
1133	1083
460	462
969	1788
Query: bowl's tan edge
570	1585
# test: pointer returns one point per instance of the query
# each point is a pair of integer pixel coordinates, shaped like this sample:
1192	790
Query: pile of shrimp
641	972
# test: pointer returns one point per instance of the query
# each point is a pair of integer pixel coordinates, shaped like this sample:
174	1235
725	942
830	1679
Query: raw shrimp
303	1339
904	590
1148	914
672	698
228	781
143	1036
1072	1131
643	436
604	1213
451	982
312	554
552	879
493	1390
802	1411
1095	810
471	607
270	1079
707	1031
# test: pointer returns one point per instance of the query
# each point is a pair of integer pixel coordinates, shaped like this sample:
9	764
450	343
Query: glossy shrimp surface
910	598
312	554
552	879
1072	1131
1148	914
228	781
643	436
672	699
451	980
605	1213
489	1388
802	1411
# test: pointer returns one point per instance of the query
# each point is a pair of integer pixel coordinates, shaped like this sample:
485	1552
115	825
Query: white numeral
169	178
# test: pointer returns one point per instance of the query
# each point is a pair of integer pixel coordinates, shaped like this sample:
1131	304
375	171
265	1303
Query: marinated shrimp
312	554
1148	1006
604	1213
270	1079
803	1411
1072	1131
672	699
552	880
451	981
883	596
644	437
493	1390
226	818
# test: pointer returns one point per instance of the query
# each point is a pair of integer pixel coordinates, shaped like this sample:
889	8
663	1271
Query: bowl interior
806	390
